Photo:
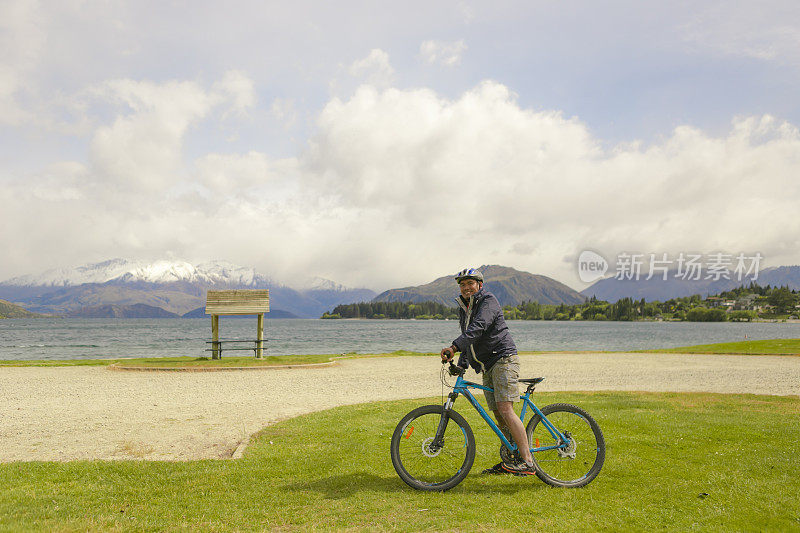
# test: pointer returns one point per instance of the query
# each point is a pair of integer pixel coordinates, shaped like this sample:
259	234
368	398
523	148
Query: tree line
765	302
421	310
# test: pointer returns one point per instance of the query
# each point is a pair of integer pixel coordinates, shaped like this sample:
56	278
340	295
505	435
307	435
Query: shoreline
118	363
62	317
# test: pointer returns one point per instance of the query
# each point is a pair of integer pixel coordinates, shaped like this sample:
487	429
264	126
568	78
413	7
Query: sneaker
496	469
519	469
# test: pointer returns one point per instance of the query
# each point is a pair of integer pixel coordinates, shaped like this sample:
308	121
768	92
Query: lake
113	338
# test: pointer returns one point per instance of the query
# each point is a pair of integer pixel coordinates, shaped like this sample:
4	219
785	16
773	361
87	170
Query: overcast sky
384	144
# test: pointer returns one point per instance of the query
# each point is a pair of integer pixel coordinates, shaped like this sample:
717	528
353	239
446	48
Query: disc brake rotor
570	449
427	451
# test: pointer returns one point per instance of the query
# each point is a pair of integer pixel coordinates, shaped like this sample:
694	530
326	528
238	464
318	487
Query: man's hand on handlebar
447	354
447	357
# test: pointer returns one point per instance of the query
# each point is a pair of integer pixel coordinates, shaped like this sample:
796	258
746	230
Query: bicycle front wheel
423	464
573	463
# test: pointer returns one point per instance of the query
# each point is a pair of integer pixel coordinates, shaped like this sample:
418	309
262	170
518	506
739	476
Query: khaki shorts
502	377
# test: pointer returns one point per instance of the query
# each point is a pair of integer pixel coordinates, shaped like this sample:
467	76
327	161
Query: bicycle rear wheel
423	466
575	464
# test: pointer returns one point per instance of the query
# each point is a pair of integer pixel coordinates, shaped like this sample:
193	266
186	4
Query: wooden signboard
237	302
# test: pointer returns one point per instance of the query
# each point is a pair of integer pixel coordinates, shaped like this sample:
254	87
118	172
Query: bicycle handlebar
456	370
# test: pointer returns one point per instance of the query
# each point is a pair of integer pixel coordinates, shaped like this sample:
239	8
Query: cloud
381	145
374	69
253	173
238	88
142	149
399	185
125	137
482	179
442	53
59	182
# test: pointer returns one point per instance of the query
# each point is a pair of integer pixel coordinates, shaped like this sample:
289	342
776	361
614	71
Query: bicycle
433	447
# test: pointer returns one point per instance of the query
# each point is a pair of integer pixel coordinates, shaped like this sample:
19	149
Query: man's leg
503	378
501	423
507	415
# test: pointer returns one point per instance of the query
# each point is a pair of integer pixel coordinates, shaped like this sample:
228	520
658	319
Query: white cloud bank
398	186
480	179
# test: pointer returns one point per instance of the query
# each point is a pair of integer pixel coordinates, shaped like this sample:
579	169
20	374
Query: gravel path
69	413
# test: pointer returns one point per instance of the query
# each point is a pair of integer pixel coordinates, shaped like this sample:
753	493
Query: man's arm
484	317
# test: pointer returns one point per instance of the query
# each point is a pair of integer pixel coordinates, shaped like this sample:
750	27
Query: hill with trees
739	304
510	286
9	310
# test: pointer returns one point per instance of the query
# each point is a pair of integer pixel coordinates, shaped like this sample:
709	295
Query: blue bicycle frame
462	386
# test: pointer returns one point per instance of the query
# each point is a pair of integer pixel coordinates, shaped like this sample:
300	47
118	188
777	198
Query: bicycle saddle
532	381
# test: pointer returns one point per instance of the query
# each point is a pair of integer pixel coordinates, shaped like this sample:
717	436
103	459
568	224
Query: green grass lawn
674	462
763	347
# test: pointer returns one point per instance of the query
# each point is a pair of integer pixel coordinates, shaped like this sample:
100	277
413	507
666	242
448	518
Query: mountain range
612	289
120	287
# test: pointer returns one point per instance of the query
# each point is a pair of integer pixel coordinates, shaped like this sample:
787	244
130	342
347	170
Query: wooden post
260	336
215	337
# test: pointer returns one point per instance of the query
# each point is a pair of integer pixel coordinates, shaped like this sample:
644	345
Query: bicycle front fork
438	439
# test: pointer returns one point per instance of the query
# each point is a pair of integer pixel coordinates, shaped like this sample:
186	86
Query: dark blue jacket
484	334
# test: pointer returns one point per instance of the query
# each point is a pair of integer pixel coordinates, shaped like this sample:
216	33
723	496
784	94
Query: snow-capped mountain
65	277
321	284
126	271
175	286
223	272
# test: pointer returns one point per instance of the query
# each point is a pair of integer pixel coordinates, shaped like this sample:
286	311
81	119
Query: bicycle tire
574	467
419	466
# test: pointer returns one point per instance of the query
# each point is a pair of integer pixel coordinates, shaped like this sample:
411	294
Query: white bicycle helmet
469	273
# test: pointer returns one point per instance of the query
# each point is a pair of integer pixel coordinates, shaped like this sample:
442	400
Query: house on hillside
722	303
747	302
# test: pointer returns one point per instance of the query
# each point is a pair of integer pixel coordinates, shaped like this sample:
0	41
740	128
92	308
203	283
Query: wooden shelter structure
237	302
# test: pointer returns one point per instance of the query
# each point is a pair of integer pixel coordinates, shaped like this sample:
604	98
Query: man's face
469	287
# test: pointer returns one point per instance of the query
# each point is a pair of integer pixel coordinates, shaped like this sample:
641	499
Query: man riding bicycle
485	344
